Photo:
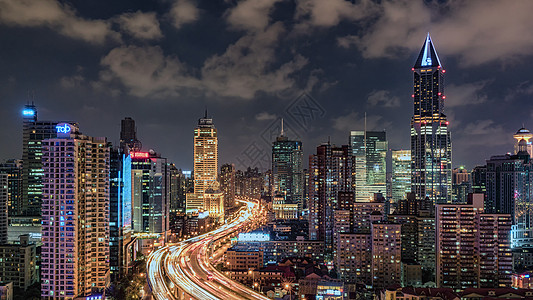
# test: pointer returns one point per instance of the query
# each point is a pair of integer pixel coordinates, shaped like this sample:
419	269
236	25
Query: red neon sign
139	154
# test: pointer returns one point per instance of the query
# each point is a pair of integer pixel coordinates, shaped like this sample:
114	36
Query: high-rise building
227	184
13	169
128	135
461	184
75	214
151	193
121	241
3	207
205	163
369	149
473	248
287	170
431	147
18	263
249	183
330	172
479	180
33	133
401	174
526	135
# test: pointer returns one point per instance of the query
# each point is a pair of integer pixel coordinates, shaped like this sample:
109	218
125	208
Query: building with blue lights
34	132
431	147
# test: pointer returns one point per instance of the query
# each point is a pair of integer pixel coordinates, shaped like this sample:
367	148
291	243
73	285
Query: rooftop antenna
205	112
282	127
365	135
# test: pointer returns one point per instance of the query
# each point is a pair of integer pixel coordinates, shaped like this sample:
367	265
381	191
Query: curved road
187	265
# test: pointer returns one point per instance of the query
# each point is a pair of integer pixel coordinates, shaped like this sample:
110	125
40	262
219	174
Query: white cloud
383	98
320	13
477	31
146	71
465	94
265	116
57	16
141	25
251	14
243	70
184	12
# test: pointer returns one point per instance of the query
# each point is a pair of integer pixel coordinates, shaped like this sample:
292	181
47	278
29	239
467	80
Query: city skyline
79	76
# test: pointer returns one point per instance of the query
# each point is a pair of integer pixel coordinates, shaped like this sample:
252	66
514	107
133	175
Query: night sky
319	64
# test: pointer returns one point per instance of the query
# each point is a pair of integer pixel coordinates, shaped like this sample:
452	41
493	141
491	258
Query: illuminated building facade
386	254
3	207
401	174
473	248
33	133
287	170
13	169
431	147
75	215
205	163
120	216
369	149
330	172
227	184
151	193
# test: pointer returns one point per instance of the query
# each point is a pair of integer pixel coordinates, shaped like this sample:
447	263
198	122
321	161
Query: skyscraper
151	193
205	163
431	147
120	218
227	184
330	172
401	174
287	170
33	133
509	183
128	135
75	214
369	149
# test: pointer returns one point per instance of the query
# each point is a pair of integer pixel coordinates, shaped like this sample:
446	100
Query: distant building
13	169
205	163
369	149
227	184
151	193
287	170
401	174
3	207
461	185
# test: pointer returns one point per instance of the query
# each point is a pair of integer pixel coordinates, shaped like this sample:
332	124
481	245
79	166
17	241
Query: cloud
146	71
246	66
323	14
251	14
265	116
144	26
465	94
383	98
70	82
524	88
244	69
477	31
482	133
184	12
356	121
59	17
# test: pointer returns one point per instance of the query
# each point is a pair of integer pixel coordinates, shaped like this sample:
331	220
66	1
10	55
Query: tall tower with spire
287	170
205	164
431	147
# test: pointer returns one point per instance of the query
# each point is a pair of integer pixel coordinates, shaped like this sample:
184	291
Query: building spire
428	56
282	133
205	112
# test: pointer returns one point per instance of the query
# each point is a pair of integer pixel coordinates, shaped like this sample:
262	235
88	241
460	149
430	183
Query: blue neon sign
28	112
63	128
